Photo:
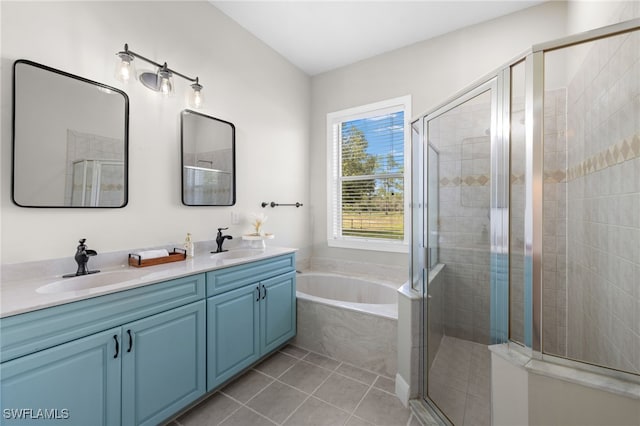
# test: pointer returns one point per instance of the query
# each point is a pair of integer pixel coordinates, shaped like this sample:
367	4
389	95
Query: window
368	172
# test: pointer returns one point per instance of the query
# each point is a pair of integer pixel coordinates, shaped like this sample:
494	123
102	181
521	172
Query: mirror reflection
208	160
69	140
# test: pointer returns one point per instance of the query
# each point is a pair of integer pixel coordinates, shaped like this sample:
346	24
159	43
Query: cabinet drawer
33	331
226	279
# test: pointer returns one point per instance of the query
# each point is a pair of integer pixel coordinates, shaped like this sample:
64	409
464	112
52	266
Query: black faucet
220	239
82	258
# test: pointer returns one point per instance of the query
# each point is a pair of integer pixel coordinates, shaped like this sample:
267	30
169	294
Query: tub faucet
82	258
220	239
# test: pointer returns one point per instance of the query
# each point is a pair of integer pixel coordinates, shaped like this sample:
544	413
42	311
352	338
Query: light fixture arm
162	66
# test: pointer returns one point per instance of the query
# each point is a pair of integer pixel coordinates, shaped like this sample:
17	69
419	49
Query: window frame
334	170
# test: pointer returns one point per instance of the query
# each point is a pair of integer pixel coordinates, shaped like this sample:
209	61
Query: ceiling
319	36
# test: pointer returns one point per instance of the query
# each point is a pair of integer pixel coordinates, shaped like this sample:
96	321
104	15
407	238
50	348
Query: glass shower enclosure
456	142
526	193
97	183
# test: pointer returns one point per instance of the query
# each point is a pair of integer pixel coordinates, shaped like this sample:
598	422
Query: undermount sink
85	282
237	254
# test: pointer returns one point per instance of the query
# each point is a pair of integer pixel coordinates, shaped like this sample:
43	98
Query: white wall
245	82
431	71
587	15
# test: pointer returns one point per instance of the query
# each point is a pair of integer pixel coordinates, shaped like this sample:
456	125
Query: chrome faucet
82	258
220	239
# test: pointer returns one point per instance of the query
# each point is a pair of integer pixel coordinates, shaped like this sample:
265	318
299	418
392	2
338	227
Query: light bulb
125	71
196	99
165	86
165	83
125	67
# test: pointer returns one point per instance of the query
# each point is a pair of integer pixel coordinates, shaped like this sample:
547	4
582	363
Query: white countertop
21	295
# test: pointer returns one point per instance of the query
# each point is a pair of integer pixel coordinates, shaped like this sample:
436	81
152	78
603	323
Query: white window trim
334	166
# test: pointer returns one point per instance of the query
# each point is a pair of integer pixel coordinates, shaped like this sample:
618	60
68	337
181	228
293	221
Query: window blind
369	198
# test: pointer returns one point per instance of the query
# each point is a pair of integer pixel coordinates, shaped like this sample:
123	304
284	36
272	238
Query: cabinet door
277	311
77	383
232	333
163	364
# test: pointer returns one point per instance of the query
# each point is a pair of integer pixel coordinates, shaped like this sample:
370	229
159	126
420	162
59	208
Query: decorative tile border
469	180
555	176
612	156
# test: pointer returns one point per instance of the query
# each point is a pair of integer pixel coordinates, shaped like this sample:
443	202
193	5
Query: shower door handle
426	257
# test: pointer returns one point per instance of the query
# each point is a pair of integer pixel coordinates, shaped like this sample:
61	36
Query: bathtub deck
299	387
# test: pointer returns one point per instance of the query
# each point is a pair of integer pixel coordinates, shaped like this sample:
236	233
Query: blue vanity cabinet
163	364
77	383
277	311
253	317
134	357
233	333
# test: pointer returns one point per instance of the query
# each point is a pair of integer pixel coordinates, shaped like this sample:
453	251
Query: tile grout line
309	396
260	414
330	371
272	379
466	390
360	402
230	414
340	363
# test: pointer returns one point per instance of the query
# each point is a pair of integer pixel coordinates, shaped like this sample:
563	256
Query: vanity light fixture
160	81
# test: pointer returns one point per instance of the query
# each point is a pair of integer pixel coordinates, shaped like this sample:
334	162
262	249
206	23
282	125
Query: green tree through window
372	181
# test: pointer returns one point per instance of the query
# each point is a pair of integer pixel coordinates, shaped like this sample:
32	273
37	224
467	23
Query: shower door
457	149
97	183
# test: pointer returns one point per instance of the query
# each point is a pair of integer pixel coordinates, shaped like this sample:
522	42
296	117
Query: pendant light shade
165	81
196	98
125	67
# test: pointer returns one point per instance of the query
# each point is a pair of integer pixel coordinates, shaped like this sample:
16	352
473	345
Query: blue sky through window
385	135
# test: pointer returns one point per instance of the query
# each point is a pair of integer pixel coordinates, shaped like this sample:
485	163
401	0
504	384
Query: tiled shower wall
462	138
554	220
516	215
87	146
603	205
554	248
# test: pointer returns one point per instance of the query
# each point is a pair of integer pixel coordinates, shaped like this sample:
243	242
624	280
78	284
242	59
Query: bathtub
350	319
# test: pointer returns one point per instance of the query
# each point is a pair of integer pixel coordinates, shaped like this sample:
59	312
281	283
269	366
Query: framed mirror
208	160
70	140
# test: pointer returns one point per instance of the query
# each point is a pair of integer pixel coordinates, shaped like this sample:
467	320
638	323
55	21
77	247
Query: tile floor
460	381
301	388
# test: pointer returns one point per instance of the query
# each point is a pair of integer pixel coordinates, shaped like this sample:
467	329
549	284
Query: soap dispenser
188	245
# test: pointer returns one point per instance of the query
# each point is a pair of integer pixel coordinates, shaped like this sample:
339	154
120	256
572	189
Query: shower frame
532	347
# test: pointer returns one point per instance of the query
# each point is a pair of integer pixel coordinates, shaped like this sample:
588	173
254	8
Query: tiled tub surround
352	319
296	387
